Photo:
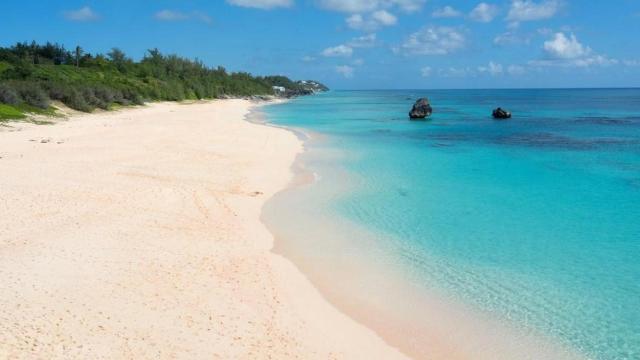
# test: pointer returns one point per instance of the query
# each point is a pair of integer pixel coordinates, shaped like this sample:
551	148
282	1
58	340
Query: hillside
33	75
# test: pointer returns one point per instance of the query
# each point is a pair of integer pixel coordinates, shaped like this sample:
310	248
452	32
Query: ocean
532	222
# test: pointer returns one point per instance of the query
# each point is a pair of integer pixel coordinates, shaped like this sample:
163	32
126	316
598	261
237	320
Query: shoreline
445	329
138	234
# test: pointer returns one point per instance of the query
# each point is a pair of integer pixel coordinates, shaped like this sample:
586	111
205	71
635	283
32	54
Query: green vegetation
32	75
9	112
20	111
295	88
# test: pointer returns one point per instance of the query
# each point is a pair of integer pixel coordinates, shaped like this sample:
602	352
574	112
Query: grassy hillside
32	75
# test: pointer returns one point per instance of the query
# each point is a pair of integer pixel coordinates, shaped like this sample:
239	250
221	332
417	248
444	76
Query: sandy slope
136	235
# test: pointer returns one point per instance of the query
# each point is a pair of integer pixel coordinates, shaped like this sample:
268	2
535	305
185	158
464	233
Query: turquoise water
535	219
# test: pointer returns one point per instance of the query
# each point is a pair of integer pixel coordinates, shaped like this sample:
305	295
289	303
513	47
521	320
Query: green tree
119	59
78	53
33	74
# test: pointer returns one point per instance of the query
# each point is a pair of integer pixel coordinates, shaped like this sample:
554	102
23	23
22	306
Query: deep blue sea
535	219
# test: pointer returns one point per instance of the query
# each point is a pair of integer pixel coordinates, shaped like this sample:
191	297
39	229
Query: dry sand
137	235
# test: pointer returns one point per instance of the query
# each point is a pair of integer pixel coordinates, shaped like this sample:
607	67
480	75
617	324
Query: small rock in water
501	113
421	109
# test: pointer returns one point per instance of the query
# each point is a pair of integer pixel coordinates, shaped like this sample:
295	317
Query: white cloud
357	62
563	47
446	12
511	38
262	4
171	15
346	50
350	6
493	69
600	60
516	70
409	5
356	21
484	12
82	14
372	22
563	50
434	40
528	10
365	6
544	31
308	58
338	51
631	62
365	41
370	15
384	18
345	70
455	72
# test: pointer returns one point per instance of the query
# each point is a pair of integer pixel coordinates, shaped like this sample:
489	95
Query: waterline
469	213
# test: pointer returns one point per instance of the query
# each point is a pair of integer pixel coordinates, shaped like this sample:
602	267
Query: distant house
279	89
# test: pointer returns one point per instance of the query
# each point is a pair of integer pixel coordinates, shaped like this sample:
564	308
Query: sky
360	44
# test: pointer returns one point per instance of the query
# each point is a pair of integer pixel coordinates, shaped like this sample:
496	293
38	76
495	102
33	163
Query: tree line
35	74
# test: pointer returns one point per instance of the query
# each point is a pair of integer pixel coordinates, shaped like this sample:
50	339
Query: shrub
33	94
133	97
74	99
56	91
89	95
105	94
20	70
32	74
117	97
8	95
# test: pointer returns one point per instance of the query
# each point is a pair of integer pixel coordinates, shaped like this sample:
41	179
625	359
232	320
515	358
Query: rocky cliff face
304	87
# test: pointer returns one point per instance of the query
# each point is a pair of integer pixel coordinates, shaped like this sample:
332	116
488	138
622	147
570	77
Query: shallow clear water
535	219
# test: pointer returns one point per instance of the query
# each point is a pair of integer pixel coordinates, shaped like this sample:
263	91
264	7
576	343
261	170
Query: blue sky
361	44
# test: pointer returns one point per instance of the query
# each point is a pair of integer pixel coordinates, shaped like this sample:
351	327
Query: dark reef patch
605	120
549	140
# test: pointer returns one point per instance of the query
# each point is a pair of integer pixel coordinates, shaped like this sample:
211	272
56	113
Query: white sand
136	235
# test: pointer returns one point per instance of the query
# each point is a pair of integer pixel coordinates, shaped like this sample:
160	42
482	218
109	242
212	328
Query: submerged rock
501	113
421	109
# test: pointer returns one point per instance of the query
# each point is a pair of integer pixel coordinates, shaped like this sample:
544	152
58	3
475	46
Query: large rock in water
421	109
501	113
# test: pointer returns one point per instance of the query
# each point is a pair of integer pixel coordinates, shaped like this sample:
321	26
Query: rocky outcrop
421	109
501	113
291	93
